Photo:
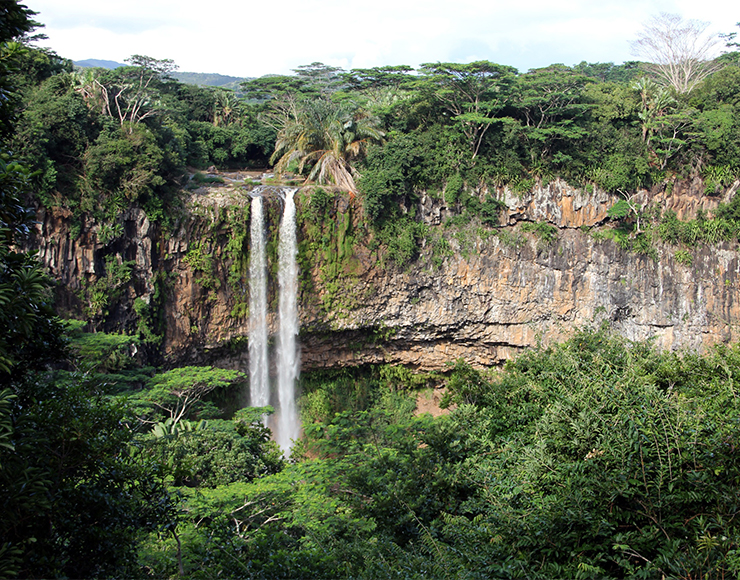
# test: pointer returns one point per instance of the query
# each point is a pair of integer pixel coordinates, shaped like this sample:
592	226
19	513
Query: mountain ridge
188	78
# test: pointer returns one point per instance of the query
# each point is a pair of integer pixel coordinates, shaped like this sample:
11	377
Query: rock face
489	298
503	299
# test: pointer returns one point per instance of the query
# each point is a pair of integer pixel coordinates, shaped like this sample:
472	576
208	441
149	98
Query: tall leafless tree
679	53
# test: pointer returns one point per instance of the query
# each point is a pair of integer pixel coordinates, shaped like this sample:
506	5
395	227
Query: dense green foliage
101	140
595	458
76	494
79	486
98	141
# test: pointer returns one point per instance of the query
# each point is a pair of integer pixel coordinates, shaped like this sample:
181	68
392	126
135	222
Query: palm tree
224	106
94	93
326	137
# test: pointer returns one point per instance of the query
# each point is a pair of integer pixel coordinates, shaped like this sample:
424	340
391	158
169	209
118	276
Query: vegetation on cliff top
100	141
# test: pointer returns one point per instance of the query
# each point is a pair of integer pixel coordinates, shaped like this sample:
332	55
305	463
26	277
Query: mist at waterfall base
286	429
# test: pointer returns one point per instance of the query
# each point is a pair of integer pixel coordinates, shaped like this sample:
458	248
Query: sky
248	39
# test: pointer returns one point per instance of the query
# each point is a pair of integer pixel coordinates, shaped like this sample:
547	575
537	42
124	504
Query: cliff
489	295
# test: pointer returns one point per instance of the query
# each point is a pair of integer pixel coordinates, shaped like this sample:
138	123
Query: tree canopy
680	53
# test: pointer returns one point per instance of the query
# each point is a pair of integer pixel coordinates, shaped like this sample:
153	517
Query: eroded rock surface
484	303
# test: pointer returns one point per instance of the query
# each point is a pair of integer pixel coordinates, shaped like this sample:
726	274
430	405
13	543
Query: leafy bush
453	189
326	393
723	227
564	457
547	233
597	456
99	351
78	493
683	257
619	210
402	240
220	453
319	202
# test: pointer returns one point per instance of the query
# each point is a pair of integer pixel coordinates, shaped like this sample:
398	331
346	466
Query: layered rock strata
489	298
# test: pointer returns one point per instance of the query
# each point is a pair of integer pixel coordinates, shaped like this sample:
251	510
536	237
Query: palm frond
326	137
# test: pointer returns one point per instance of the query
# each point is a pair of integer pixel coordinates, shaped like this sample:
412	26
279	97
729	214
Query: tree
383	87
213	453
52	136
321	78
76	494
550	103
74	500
655	102
134	91
93	92
679	53
674	132
278	97
176	393
628	207
666	127
15	21
608	72
328	138
730	40
472	93
225	108
377	81
29	331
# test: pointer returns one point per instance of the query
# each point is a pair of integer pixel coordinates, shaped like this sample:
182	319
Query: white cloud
252	39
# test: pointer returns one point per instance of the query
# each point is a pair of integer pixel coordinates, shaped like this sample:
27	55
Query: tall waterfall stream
287	352
259	367
286	428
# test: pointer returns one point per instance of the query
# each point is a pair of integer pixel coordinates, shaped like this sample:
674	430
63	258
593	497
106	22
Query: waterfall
259	370
288	424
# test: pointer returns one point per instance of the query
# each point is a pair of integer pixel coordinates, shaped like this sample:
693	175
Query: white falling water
259	370
288	424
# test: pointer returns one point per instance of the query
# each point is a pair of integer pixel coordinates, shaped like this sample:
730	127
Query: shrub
453	189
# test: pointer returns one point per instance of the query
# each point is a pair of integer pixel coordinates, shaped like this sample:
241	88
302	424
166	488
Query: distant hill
209	79
94	62
189	78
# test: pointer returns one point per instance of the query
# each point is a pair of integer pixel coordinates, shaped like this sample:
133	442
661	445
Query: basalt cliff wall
484	299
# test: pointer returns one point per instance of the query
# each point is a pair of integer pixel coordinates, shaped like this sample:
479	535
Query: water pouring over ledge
287	427
259	367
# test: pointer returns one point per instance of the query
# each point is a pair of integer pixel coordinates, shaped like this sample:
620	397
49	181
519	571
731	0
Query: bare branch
679	52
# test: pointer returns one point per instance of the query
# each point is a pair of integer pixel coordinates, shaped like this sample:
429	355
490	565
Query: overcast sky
248	38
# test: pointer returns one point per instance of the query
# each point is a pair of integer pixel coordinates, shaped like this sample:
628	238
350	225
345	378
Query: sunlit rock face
499	300
488	299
